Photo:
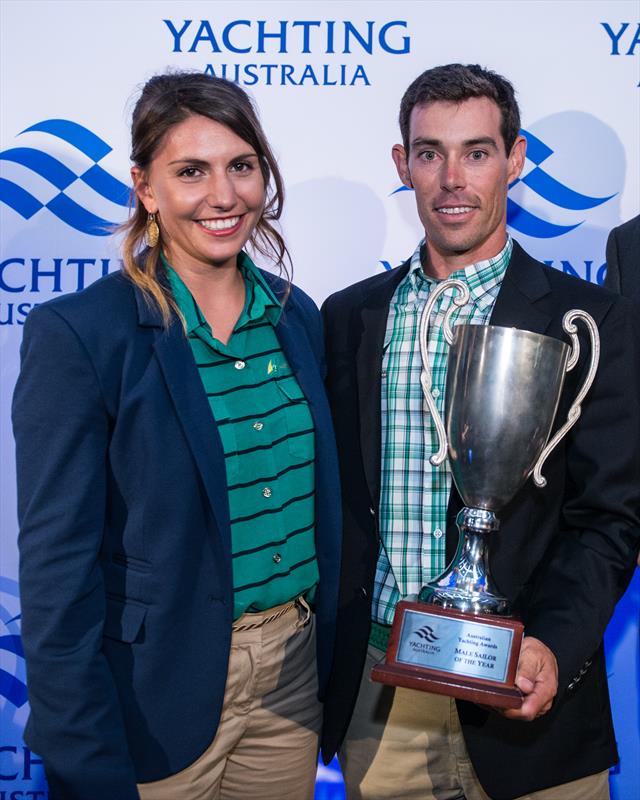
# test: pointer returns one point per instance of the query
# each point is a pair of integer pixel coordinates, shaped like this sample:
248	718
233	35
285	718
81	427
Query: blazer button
212	598
363	593
372	511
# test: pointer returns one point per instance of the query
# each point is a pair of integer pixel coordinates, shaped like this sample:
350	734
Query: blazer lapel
524	284
295	345
192	408
372	319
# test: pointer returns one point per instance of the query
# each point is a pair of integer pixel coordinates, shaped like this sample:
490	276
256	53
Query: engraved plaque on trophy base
445	651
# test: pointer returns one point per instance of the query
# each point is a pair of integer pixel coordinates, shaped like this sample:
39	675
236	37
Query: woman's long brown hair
168	100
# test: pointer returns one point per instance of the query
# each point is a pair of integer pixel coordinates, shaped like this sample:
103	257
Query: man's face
460	171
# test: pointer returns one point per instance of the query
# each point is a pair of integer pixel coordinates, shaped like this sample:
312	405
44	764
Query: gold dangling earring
152	233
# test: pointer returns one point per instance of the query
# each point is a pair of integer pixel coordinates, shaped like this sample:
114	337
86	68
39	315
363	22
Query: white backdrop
328	78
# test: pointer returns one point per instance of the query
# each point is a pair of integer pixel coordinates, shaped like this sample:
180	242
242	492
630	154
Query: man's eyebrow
480	140
424	142
486	140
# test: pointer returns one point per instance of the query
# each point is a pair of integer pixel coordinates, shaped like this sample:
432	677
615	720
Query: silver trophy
503	388
502	394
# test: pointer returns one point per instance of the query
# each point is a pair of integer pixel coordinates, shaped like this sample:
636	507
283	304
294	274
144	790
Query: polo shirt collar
263	302
259	299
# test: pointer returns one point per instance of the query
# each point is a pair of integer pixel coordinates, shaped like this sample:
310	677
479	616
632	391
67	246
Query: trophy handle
425	376
568	325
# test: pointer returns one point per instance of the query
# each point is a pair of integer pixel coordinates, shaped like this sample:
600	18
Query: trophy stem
466	584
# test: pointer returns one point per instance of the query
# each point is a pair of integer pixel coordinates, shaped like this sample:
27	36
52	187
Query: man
623	259
564	553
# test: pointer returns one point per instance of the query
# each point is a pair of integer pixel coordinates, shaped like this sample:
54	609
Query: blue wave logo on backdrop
551	190
547	187
12	688
60	176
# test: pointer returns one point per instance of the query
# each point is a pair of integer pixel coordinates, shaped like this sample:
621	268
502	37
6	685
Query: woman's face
206	186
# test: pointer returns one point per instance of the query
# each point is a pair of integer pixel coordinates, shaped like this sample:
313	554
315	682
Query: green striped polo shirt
268	440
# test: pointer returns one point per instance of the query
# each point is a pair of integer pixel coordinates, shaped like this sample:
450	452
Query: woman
178	495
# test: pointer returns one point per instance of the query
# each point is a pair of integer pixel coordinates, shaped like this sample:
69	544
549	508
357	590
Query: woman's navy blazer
125	543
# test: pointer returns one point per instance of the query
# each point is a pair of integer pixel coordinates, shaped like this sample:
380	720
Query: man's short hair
454	83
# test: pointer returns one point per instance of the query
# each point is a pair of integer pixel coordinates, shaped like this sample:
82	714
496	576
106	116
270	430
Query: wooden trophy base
444	651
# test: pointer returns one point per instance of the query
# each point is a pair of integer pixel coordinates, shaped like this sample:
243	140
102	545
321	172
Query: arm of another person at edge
589	565
612	278
61	429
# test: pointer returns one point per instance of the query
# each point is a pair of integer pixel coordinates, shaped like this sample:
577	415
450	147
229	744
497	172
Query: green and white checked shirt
414	494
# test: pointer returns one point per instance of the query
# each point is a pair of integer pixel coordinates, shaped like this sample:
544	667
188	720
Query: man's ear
143	190
399	157
517	158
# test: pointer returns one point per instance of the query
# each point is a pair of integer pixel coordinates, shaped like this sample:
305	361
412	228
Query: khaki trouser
266	745
408	745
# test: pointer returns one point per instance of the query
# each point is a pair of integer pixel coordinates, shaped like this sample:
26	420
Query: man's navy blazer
125	543
564	554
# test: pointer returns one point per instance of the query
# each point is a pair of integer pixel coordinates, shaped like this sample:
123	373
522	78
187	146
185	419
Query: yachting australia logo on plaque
427	634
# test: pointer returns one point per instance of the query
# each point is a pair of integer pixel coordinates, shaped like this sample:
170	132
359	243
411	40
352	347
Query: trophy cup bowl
502	393
503	390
